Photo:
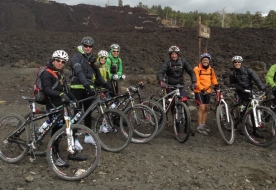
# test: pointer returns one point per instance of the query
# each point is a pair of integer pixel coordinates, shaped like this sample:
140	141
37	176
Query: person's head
87	44
174	52
102	56
59	58
237	61
205	59
115	50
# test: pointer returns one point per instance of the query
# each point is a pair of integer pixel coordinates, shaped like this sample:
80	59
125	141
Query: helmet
61	54
103	53
174	49
237	58
87	41
115	46
205	55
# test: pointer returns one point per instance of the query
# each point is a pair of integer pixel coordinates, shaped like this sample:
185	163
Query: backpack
38	89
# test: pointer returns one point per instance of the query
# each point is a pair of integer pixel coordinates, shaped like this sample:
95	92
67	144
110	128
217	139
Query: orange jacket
205	78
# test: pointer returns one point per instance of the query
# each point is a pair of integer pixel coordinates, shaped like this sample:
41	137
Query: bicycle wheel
75	169
41	145
159	112
13	148
143	121
181	122
226	128
114	130
264	133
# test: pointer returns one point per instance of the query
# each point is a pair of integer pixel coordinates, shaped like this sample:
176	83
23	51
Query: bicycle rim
265	126
226	128
181	122
159	112
10	149
143	121
75	169
113	130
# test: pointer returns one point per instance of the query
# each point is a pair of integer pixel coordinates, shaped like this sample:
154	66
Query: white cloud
206	6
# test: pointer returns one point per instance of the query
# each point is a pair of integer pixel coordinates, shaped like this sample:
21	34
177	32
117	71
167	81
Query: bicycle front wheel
181	122
262	132
226	128
75	166
113	130
144	123
13	148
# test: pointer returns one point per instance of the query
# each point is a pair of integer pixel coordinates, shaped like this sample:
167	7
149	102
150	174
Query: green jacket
270	76
114	65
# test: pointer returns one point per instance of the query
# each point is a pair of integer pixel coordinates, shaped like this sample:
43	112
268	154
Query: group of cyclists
203	79
87	74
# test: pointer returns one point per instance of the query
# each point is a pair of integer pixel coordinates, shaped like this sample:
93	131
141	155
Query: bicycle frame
175	93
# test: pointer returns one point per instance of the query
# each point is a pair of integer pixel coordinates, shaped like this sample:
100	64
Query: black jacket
48	81
83	72
175	70
244	77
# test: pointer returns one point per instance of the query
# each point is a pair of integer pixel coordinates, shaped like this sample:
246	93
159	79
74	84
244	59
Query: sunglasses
103	57
115	51
236	62
57	60
86	46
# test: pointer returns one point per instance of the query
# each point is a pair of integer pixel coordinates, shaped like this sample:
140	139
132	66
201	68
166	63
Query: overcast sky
205	6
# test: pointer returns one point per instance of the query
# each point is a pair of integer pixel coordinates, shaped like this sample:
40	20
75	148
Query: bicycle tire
266	127
76	170
41	145
226	129
119	132
143	121
12	152
159	112
181	122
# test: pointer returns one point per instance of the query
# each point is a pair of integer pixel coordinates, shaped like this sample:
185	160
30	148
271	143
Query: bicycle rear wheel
13	148
159	112
144	123
264	133
181	122
114	130
74	169
226	128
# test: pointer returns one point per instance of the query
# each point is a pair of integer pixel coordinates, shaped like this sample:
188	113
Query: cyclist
58	96
241	78
270	79
115	67
174	68
83	69
205	77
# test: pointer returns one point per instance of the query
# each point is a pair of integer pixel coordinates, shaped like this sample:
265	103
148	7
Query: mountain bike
180	112
20	136
224	119
258	121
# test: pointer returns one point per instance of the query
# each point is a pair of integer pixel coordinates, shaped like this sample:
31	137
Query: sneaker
113	130
59	162
103	129
201	130
258	134
89	140
206	128
77	156
78	146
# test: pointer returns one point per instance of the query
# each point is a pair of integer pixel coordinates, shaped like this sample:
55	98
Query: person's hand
115	77
92	60
193	86
65	99
76	103
267	91
202	91
123	77
108	87
163	84
89	91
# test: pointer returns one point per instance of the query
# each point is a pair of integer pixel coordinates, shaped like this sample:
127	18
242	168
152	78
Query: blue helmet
205	55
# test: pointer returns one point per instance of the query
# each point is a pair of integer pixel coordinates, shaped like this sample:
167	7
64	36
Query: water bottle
44	126
76	118
113	105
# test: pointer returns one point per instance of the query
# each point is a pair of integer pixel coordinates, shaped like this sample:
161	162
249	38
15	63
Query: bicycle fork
69	132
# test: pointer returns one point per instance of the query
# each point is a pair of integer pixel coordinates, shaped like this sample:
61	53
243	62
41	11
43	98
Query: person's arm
78	71
214	77
269	78
120	69
162	71
257	79
48	81
189	70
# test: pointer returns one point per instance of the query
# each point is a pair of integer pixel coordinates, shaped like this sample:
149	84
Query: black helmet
87	41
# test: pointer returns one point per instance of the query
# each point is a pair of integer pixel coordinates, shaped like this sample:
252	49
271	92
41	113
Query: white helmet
103	53
115	46
60	54
237	58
